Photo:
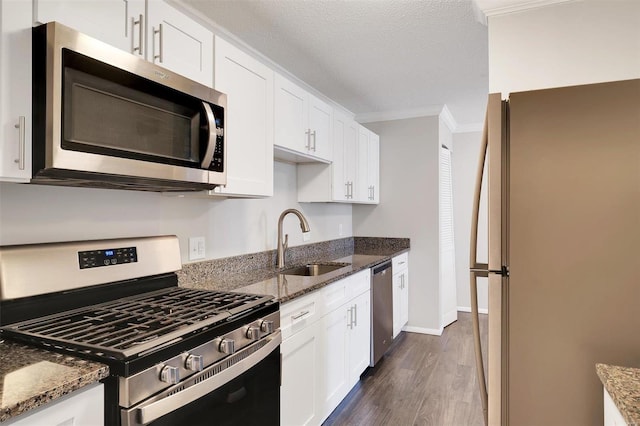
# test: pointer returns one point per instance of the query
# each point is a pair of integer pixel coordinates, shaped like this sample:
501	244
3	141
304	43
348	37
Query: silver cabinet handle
350	322
21	141
314	140
373	192
355	315
140	34
351	189
300	315
346	190
308	144
160	47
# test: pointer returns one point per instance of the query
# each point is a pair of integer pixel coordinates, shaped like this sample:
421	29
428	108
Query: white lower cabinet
400	281
82	407
299	388
326	347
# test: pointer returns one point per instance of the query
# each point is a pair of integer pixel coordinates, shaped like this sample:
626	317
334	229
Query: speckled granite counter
31	377
623	384
256	274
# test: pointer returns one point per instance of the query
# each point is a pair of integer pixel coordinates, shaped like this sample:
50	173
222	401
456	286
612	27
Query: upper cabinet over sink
303	124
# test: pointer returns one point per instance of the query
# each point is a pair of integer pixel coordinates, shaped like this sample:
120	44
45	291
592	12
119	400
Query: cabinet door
116	22
373	171
300	368
178	43
351	157
333	355
320	126
360	337
397	303
362	181
291	109
15	87
340	184
249	123
404	299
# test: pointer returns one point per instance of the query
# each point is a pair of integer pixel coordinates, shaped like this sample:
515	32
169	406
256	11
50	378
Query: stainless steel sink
314	269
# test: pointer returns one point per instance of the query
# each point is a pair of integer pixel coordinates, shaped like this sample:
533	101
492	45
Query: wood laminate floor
422	380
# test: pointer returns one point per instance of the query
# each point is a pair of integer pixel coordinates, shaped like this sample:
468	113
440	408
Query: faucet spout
282	245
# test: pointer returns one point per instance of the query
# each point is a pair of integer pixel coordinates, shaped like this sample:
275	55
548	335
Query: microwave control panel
217	162
107	257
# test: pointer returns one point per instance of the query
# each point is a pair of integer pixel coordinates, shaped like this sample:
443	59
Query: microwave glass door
109	111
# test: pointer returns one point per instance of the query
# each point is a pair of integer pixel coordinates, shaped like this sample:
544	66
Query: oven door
241	389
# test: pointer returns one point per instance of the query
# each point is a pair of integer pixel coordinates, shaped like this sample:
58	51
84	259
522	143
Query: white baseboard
422	330
468	309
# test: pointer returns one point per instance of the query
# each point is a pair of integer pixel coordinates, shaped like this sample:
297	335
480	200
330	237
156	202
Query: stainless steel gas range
176	355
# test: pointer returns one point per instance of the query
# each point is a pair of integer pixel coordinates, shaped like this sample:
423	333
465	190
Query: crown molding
485	8
370	117
468	128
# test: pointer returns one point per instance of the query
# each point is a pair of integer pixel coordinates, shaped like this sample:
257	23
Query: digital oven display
107	257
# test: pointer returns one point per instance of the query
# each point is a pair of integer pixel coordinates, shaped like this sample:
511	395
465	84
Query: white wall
465	156
579	42
409	208
35	214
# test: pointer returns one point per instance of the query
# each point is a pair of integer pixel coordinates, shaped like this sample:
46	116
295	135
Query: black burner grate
131	326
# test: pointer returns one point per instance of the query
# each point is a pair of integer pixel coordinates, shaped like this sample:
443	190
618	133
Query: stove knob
266	326
227	346
253	332
169	375
194	363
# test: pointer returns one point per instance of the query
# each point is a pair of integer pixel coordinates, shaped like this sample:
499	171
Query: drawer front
400	262
299	313
360	282
336	294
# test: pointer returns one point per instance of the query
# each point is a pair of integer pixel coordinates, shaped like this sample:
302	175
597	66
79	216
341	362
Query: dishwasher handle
382	269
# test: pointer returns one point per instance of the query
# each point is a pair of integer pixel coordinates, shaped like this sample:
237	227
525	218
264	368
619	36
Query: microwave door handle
211	142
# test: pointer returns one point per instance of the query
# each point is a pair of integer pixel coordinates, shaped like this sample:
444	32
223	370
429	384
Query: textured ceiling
371	56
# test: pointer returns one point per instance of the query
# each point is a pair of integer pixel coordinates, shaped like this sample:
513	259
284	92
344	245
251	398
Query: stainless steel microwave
105	118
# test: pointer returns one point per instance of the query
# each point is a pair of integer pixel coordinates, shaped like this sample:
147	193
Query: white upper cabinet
178	43
303	124
320	127
162	35
116	22
335	182
368	178
15	87
249	121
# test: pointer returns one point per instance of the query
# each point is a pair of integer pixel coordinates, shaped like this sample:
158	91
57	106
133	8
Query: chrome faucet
282	246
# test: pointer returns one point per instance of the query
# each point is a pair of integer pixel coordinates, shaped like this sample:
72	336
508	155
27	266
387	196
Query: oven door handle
152	410
211	142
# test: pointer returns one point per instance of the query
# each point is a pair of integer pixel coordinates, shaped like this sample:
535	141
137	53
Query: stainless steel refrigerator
564	250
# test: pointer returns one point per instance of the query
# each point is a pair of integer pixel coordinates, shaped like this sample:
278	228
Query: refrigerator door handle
478	270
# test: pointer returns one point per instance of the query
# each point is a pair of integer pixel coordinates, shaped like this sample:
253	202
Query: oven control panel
107	257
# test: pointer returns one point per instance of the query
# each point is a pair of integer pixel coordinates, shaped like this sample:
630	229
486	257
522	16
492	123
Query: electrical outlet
196	248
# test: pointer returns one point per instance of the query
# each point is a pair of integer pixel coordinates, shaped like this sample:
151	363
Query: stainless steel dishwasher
381	311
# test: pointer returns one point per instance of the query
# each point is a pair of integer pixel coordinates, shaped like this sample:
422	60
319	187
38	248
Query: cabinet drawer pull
300	315
314	140
21	142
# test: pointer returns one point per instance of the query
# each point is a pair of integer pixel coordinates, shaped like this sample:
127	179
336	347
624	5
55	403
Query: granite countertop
268	280
623	384
31	377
